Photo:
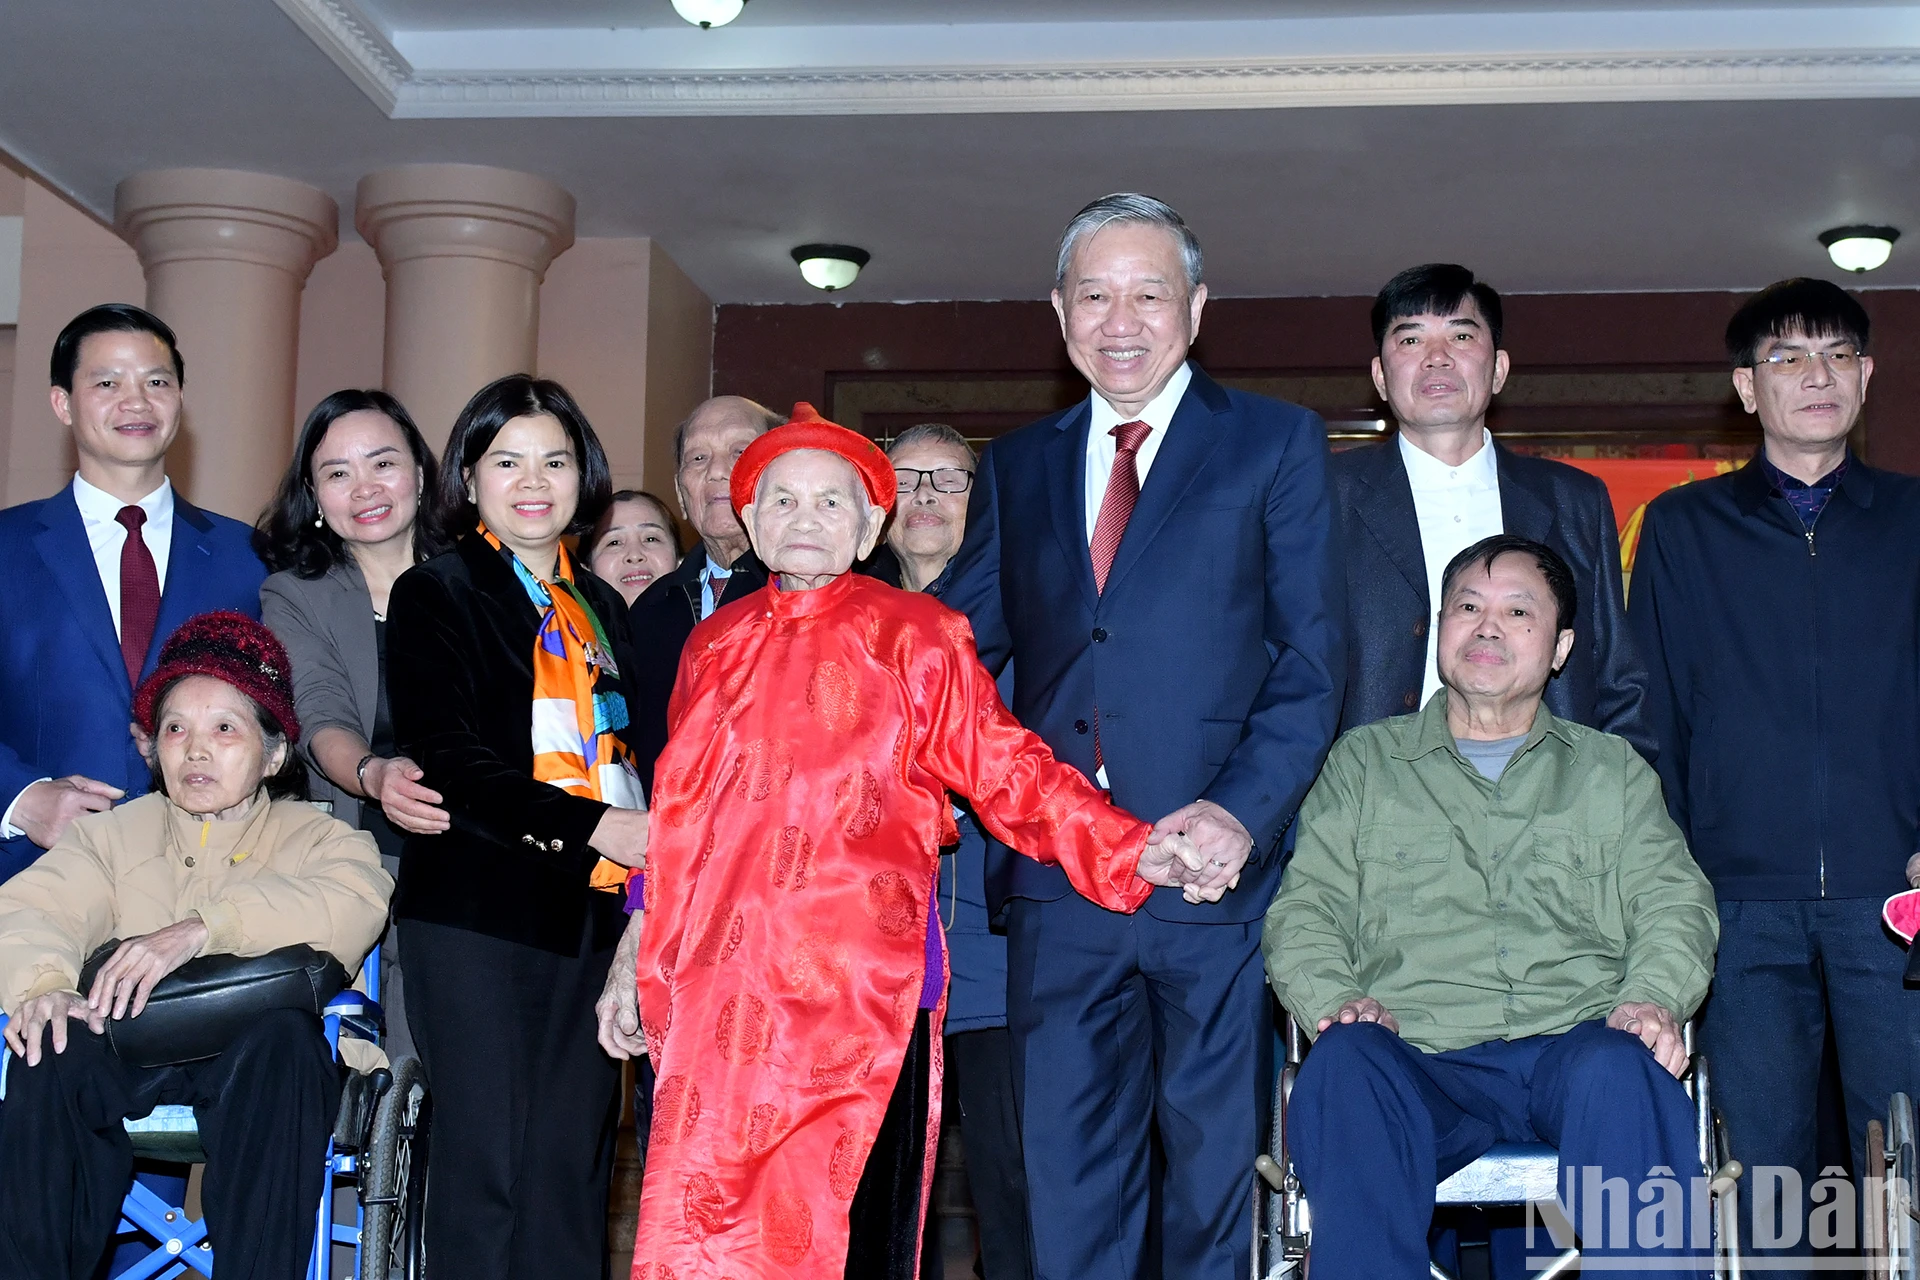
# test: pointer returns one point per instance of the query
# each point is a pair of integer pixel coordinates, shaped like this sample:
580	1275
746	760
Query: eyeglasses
943	479
1842	361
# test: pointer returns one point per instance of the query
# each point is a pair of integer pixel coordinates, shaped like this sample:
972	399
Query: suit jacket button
1099	635
1412	699
1079	726
1420	627
189	859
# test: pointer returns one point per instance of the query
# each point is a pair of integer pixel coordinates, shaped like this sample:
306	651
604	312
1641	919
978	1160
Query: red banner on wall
1634	482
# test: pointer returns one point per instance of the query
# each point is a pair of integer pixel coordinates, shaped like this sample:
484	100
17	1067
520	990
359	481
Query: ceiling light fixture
830	266
1859	248
705	14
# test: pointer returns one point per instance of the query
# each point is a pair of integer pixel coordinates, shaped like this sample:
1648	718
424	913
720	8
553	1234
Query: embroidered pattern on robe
799	811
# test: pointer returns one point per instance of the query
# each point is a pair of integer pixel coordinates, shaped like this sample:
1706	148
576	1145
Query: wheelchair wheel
395	1186
1898	1206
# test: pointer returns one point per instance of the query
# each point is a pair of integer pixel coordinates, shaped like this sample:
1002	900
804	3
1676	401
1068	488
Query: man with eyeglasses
1778	609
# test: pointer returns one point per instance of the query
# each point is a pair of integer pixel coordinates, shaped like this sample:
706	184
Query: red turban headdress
808	430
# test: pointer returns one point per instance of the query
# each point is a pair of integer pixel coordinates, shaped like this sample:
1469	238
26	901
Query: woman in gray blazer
348	520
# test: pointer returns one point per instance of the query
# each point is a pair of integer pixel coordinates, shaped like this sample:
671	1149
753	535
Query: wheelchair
378	1146
1512	1173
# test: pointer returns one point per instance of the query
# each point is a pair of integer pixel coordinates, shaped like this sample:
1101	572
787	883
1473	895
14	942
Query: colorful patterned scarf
574	720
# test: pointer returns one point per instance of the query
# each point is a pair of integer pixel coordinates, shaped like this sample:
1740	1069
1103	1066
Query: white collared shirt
99	512
1101	446
1456	507
713	585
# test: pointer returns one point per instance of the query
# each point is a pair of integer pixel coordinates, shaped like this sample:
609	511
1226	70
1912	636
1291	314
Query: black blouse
515	863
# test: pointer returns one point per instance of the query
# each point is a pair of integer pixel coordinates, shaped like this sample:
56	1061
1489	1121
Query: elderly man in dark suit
1408	505
1158	565
718	571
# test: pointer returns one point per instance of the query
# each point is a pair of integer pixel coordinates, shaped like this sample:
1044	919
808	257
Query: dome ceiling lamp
1859	248
707	14
830	267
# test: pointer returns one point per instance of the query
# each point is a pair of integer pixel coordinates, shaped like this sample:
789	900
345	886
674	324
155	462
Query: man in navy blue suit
99	575
1158	565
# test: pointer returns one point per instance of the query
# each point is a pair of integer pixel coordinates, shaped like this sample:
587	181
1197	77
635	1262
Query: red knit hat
808	430
230	647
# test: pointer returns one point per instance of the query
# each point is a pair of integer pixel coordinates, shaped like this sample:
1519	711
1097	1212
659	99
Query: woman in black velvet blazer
507	945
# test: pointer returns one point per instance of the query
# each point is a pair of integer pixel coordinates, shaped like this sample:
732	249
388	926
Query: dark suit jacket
1786	680
515	864
65	702
1215	656
660	621
1604	684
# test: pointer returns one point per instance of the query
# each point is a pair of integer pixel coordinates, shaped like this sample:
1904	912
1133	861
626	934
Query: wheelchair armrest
358	1014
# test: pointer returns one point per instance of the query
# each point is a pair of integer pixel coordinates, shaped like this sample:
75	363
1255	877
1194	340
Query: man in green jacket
1495	931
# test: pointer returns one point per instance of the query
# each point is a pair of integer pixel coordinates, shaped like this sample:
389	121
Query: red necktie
139	594
1123	491
1116	508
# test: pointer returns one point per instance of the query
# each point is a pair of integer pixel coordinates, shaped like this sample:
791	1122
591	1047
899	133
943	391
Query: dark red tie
1116	508
139	593
1123	491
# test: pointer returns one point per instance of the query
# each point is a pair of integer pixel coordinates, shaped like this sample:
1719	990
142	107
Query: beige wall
679	363
69	262
343	319
620	324
632	338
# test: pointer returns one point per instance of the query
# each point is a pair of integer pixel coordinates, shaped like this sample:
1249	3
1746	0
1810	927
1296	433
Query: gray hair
932	433
768	421
1129	206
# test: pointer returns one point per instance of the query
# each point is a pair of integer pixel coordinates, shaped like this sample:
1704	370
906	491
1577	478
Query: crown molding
1304	82
355	43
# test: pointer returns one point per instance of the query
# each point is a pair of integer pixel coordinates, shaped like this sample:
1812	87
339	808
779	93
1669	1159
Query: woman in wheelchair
219	858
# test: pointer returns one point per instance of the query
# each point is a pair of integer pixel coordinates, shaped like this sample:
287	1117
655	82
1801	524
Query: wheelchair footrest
1510	1173
169	1134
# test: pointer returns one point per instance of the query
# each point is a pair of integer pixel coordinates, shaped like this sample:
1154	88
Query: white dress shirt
1456	507
106	536
1101	446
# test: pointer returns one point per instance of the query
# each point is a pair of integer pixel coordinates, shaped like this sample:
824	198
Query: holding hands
1198	848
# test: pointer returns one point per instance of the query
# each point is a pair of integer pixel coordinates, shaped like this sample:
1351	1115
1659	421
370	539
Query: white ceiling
473	15
1536	195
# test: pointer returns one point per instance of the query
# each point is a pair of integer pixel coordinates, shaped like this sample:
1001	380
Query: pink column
226	254
464	248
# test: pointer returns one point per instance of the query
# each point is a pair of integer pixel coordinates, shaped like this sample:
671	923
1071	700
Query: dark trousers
1121	1026
1374	1125
1784	970
265	1108
883	1222
980	1082
525	1104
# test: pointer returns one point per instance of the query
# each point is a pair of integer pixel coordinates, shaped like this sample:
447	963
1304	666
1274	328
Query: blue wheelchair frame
171	1134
